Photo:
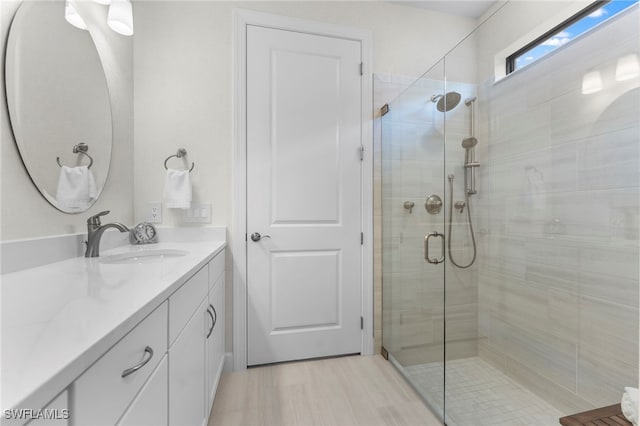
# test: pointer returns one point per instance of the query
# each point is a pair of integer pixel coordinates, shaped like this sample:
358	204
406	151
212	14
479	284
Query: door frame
241	19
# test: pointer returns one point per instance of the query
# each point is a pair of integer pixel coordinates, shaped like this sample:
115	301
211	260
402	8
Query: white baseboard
228	362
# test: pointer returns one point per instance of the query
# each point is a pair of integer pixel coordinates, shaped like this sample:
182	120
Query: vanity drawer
216	269
184	302
101	394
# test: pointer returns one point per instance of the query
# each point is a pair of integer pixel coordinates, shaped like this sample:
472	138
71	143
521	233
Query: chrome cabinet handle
142	363
213	323
426	248
215	314
255	237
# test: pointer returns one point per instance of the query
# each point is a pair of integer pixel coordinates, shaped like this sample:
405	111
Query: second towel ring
81	148
181	153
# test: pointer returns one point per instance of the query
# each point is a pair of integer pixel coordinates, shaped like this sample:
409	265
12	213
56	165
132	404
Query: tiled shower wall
558	268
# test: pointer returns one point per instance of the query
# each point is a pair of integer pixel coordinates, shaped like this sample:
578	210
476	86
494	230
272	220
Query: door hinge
361	68
384	110
361	149
361	323
361	238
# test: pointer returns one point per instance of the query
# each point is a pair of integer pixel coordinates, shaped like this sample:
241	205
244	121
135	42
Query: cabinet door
187	372
150	406
215	341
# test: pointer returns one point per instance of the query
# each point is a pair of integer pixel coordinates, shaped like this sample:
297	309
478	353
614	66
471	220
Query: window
568	30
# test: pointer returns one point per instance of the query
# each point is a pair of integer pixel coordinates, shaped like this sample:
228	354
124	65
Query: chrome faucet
94	233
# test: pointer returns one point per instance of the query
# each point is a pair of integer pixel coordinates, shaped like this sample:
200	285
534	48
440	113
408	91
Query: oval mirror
59	105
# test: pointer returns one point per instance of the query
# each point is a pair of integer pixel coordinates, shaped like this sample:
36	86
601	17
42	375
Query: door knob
257	237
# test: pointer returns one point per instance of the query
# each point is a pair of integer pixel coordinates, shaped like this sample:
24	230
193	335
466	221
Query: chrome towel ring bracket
81	148
181	153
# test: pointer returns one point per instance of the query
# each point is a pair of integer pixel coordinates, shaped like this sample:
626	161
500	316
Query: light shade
120	17
72	16
104	2
591	82
628	67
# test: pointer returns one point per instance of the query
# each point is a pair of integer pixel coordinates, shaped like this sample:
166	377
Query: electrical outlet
154	212
198	213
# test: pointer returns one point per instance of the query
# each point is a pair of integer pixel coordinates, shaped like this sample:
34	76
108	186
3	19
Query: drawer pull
215	314
213	323
142	363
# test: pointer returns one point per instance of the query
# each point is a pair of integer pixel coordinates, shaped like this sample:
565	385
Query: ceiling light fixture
628	67
72	16
120	17
591	82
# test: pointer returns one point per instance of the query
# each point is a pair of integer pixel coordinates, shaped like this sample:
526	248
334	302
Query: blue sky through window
572	31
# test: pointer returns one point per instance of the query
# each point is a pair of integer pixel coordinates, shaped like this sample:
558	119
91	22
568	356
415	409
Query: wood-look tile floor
350	391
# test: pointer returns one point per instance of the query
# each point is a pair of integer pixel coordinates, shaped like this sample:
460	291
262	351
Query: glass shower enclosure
510	211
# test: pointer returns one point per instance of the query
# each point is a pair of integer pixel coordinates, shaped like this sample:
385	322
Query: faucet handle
95	219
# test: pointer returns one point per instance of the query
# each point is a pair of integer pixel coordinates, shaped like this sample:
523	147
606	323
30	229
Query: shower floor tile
480	394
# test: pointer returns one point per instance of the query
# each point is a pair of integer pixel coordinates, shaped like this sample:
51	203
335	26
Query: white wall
183	83
183	80
24	212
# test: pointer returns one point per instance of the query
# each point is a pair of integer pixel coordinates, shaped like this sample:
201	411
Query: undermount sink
144	256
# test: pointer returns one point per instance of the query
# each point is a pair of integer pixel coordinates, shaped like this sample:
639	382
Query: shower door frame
439	226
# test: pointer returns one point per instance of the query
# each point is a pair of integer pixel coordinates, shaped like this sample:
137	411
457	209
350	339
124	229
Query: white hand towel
629	404
177	189
76	188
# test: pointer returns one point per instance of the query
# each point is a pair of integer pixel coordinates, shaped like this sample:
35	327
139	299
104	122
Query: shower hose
473	238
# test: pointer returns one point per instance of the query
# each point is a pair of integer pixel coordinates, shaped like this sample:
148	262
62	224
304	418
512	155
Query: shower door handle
426	248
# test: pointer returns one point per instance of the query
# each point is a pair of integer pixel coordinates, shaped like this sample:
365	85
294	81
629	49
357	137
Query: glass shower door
413	212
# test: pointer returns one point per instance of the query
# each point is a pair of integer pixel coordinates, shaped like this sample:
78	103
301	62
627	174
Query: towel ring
181	153
81	148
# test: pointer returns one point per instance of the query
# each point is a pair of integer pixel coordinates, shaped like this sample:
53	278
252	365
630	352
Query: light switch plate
154	212
198	213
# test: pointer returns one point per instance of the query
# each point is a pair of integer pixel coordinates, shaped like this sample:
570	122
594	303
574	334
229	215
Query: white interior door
303	195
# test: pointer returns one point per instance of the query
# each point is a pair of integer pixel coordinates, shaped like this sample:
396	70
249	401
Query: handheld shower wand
470	165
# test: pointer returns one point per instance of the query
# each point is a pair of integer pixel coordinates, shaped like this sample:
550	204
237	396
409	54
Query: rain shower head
447	102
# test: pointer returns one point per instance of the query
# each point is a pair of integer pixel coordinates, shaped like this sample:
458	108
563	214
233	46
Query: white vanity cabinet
176	354
196	324
215	340
56	413
149	408
187	372
101	395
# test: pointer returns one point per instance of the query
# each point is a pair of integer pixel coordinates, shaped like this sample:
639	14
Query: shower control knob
433	205
408	205
255	237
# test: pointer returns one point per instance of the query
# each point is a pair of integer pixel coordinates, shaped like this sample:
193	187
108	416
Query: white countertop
59	318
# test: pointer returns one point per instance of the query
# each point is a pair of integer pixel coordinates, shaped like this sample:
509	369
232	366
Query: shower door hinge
361	68
361	323
361	149
384	353
361	238
384	110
